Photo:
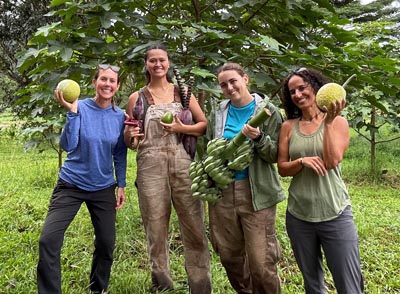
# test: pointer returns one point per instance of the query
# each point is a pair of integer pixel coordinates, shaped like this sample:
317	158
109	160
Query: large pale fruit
330	93
70	90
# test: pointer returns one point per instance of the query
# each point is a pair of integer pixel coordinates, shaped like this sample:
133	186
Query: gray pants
339	241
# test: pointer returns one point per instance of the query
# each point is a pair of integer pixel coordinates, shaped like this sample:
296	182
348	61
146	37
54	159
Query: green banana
222	178
216	152
212	165
194	187
196	179
216	143
245	148
222	186
209	159
193	169
199	167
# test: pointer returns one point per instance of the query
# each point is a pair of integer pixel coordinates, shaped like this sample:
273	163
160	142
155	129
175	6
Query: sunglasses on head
114	68
301	69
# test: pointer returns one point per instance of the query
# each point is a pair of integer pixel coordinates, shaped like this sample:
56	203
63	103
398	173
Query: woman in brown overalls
163	176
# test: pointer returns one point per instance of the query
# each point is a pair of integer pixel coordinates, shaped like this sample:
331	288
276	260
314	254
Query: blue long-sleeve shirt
94	140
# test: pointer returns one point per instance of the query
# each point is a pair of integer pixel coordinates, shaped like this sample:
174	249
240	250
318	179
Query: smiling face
234	87
106	84
157	63
301	92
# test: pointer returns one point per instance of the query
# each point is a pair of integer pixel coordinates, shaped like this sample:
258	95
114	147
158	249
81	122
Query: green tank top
312	197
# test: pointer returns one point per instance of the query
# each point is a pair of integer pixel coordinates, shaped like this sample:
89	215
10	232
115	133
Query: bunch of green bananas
213	174
216	146
242	157
215	166
201	185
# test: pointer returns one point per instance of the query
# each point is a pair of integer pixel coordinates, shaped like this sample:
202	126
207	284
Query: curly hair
310	76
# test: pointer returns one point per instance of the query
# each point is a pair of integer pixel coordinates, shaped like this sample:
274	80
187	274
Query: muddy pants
246	241
163	180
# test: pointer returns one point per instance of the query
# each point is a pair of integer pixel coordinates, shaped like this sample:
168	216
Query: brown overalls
162	179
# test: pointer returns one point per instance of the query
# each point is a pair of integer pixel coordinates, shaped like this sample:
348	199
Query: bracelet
301	161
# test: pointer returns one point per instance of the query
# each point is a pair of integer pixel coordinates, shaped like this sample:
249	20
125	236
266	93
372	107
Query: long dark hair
310	76
146	55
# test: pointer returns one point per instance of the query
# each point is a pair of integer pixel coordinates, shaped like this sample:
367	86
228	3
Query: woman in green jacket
242	223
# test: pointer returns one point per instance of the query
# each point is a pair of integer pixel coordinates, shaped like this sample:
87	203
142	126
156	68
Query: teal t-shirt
236	119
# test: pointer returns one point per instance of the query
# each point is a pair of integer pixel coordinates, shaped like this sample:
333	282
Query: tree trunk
373	140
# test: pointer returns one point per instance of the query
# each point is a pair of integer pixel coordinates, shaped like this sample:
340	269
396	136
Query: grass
26	183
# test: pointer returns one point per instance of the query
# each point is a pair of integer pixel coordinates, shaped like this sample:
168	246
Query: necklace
309	120
164	91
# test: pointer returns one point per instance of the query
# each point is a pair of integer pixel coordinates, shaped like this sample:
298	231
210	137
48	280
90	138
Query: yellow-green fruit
70	90
329	93
167	118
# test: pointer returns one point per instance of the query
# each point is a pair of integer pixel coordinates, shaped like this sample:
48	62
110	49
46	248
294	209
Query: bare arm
336	136
132	133
286	167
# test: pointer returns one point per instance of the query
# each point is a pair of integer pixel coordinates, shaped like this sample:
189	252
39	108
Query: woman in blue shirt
94	168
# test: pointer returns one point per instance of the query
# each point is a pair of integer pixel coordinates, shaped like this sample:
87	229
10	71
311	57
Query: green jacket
264	180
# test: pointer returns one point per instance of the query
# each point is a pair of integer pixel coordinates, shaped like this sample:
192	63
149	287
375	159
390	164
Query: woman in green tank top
312	144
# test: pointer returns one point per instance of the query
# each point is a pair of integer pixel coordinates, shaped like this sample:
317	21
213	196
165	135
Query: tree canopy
269	37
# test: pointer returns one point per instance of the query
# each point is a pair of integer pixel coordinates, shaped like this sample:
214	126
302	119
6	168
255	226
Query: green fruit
329	93
168	117
70	90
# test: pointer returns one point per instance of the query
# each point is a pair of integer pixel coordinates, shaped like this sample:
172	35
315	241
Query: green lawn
26	184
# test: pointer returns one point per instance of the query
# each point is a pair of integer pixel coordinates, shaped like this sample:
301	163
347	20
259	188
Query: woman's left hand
121	198
334	110
175	127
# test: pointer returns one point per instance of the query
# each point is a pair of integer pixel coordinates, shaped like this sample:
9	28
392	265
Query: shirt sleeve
267	146
70	134
120	160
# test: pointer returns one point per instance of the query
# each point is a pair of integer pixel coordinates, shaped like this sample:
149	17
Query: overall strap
147	99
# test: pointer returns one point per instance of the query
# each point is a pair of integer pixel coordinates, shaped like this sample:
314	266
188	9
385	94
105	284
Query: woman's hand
334	110
133	131
132	134
121	198
73	107
250	132
176	126
316	164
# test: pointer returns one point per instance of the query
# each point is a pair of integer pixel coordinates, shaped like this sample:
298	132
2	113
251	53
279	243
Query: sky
366	1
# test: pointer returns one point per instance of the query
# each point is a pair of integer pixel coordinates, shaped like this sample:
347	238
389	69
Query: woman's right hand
133	131
132	134
73	107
